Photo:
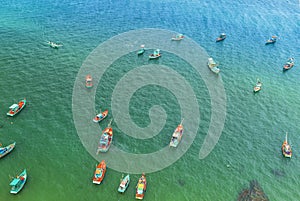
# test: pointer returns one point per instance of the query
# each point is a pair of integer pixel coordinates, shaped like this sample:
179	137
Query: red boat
141	187
88	81
99	172
16	108
99	117
105	139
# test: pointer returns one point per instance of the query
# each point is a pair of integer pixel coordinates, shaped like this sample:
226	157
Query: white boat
258	85
54	45
156	54
212	65
177	135
178	37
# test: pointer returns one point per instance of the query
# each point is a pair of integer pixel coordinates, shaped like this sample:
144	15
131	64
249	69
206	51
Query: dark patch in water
278	173
181	182
254	193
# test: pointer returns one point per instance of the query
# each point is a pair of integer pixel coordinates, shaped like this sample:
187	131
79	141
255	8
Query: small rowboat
212	65
16	108
105	139
141	187
257	87
156	54
54	45
6	150
177	135
178	37
99	117
99	173
18	183
124	184
272	40
142	50
221	37
286	148
88	81
289	64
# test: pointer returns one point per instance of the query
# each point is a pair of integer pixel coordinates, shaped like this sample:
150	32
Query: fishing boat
54	45
178	37
177	135
99	173
156	54
289	64
221	37
18	183
141	187
16	108
105	139
99	117
286	148
271	40
212	65
88	81
257	86
141	50
124	184
6	150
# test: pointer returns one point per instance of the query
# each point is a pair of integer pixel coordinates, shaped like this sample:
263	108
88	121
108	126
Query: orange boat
141	187
99	172
88	81
286	148
99	117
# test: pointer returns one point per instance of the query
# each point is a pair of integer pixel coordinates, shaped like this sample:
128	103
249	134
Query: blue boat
124	184
18	183
6	150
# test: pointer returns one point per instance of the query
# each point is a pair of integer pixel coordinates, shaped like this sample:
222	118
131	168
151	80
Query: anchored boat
271	40
257	86
177	135
16	108
156	54
212	65
105	139
99	173
141	50
124	184
286	148
6	150
221	37
88	81
289	64
18	183
141	187
99	117
178	37
54	45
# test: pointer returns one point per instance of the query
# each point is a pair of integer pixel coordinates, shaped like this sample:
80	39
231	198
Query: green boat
18	183
142	50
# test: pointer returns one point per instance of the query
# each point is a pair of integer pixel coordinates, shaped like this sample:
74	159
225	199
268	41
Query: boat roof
13	106
14	182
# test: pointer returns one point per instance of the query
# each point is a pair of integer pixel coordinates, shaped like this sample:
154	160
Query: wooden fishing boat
6	150
124	184
286	148
178	37
271	40
18	183
155	55
212	65
105	139
141	187
177	135
221	37
16	108
257	86
99	173
289	64
54	45
99	117
88	81
141	50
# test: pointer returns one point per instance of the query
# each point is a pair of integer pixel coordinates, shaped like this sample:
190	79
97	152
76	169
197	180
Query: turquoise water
48	146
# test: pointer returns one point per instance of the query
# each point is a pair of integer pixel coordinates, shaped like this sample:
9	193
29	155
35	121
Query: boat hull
8	148
96	119
99	173
17	188
141	188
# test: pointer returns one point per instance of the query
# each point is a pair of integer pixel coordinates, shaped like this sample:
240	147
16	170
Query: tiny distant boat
286	148
124	184
141	187
141	50
99	117
6	150
105	139
156	54
289	64
271	40
221	37
212	65
177	135
16	108
54	45
99	173
88	81
178	37
18	183
257	87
